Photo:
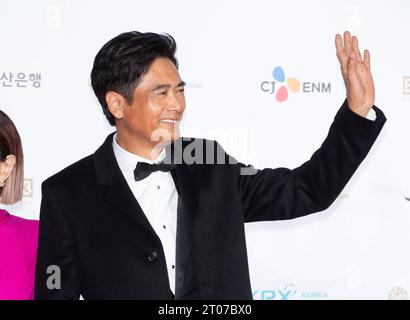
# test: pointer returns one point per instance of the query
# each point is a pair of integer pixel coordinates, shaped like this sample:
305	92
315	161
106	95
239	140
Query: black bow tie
144	169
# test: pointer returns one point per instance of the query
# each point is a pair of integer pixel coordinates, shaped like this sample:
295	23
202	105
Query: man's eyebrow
166	86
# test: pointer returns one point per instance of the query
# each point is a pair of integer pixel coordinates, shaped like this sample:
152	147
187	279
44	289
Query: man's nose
176	103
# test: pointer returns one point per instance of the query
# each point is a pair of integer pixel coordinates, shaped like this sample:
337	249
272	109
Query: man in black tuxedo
151	215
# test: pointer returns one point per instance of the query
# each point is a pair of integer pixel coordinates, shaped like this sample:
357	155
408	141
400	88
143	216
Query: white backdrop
357	249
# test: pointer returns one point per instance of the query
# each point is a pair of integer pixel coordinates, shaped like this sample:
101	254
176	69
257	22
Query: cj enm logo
281	85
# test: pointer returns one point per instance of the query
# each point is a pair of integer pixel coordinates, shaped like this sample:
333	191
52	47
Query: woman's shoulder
20	234
23	223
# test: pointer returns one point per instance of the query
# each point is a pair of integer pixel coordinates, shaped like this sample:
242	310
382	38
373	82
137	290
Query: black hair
122	62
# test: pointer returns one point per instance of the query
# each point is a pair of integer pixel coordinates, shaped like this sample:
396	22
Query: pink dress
18	253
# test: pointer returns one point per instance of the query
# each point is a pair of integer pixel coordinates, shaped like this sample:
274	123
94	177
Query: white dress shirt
158	198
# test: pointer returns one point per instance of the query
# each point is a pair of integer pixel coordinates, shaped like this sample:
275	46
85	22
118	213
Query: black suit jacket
93	228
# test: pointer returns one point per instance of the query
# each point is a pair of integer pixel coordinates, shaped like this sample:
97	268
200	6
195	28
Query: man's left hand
356	74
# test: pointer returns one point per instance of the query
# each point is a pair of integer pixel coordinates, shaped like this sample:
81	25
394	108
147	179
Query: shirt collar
128	161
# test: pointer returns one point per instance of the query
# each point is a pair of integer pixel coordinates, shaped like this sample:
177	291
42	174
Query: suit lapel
184	233
185	183
119	194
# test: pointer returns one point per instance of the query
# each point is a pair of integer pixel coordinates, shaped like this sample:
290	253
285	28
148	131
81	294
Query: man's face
158	104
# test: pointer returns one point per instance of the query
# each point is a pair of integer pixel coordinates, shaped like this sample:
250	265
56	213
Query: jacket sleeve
56	248
281	193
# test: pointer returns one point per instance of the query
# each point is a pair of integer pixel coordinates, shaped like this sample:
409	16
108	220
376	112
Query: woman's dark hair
122	62
10	144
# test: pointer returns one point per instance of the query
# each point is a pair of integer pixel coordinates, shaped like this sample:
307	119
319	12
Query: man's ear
6	168
116	103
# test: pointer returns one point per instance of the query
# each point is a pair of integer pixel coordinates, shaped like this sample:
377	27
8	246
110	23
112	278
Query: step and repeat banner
262	79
